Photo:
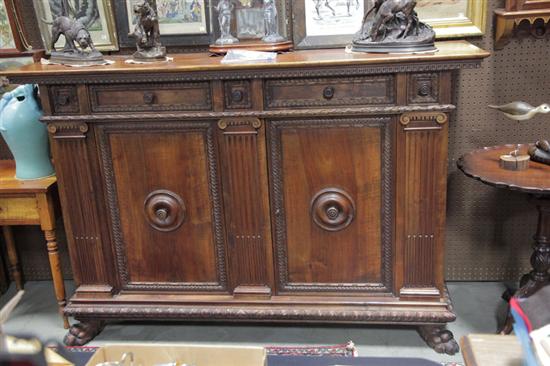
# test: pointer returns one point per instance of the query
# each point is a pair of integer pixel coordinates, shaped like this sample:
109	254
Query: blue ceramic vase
25	135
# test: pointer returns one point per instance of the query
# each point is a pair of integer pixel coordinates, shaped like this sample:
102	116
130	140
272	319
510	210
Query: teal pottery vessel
26	136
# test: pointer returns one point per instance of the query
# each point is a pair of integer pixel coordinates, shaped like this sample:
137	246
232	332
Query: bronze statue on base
77	40
394	27
147	33
271	22
225	13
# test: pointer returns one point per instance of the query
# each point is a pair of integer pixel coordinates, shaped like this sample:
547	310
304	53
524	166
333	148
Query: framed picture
327	23
182	22
332	23
454	18
12	40
97	16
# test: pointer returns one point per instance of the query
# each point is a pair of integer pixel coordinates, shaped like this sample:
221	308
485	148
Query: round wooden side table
483	165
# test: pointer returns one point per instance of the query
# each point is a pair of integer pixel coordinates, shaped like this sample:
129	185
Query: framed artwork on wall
454	18
327	23
332	23
12	39
97	16
182	22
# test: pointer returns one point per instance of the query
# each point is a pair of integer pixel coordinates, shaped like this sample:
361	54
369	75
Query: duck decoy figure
521	111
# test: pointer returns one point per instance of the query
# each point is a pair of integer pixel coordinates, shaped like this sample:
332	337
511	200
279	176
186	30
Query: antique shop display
226	199
483	165
533	13
333	23
96	16
518	111
181	23
26	137
252	25
393	26
147	33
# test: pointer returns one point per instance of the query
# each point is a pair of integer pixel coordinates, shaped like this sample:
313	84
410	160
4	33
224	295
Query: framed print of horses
182	22
326	23
96	15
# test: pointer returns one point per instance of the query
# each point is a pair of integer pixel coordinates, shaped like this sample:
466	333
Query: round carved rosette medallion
332	209
164	210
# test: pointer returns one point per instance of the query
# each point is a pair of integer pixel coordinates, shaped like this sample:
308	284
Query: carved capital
70	130
250	122
423	120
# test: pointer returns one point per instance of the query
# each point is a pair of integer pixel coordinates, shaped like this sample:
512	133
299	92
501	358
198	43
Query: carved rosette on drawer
164	210
237	94
64	99
332	209
423	88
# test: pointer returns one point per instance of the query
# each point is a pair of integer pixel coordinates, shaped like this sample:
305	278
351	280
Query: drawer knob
237	96
332	209
148	97
164	210
328	93
424	90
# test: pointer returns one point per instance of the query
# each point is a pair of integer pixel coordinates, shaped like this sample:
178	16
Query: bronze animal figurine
540	152
147	30
75	34
386	10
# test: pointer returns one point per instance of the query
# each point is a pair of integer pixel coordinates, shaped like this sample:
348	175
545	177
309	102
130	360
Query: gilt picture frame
103	29
188	24
454	18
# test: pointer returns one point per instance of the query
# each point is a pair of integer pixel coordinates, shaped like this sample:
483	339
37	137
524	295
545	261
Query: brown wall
489	231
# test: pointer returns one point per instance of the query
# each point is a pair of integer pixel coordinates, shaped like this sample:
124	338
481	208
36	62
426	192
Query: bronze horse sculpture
386	10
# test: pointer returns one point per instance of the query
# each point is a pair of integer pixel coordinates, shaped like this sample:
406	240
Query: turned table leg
59	285
540	259
14	268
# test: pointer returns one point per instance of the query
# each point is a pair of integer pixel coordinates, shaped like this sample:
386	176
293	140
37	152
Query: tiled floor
477	305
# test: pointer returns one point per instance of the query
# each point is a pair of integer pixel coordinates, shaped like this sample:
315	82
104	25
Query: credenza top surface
447	51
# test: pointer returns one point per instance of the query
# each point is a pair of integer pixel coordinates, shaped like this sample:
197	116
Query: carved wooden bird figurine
521	111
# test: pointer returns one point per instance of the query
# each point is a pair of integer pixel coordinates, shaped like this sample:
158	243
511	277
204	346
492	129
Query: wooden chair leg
58	284
14	267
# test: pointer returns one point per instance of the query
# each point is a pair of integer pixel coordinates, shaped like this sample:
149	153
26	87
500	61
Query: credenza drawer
320	92
151	97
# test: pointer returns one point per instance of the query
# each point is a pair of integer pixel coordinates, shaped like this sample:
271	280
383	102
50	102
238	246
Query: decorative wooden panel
359	90
331	193
422	156
79	201
166	216
242	146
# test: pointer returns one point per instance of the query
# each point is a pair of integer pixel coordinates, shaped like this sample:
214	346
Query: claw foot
82	333
439	338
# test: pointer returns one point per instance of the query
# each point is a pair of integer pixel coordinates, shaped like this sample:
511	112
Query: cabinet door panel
331	183
164	206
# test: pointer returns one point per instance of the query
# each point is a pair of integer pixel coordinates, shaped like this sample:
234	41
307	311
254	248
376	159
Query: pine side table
483	165
30	203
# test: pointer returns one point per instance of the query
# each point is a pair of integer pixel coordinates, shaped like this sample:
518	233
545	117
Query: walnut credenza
308	190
